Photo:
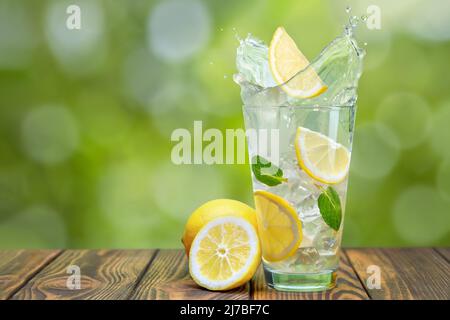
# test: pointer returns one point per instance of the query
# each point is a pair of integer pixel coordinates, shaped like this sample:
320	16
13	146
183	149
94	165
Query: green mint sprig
330	208
266	172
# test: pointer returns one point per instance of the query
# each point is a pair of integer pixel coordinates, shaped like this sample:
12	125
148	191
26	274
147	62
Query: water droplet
354	21
348	30
365	43
234	29
211	63
363	18
221	29
225	76
348	9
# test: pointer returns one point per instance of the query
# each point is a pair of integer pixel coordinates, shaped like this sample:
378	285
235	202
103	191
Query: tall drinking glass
300	158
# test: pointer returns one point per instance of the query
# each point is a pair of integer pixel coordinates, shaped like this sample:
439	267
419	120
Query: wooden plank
405	273
105	274
347	287
168	278
445	252
18	266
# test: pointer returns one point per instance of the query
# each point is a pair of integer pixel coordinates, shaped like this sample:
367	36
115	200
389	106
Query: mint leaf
330	208
266	172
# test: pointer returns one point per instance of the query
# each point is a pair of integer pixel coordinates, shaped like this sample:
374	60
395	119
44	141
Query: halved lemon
285	61
280	230
211	210
224	254
320	157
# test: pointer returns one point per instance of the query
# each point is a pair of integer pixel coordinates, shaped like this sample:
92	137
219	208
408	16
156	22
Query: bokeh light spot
49	134
421	216
178	28
375	151
142	76
430	20
407	115
79	51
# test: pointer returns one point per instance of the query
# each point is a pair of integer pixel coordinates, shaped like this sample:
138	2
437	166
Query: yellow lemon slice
280	230
225	254
285	61
320	157
211	210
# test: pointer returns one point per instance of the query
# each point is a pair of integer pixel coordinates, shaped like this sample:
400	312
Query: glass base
300	282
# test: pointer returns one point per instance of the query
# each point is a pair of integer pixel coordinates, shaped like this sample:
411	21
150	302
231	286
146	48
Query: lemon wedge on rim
286	60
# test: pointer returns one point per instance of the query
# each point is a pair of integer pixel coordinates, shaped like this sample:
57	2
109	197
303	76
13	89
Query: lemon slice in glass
285	61
320	157
224	254
280	230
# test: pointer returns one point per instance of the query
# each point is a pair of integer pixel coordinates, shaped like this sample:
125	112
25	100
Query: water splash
339	65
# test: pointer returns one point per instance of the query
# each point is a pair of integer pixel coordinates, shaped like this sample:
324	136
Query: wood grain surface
445	252
406	274
105	274
163	274
168	278
18	266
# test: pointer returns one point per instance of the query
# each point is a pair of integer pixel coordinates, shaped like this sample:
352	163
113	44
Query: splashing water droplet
363	18
348	9
354	21
365	43
339	66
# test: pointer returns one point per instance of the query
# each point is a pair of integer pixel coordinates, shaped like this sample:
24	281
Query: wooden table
163	274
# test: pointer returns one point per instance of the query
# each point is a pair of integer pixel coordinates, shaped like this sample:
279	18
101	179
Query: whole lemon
214	209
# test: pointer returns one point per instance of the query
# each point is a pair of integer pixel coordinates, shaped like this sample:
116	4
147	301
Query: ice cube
326	241
311	227
299	197
307	206
308	260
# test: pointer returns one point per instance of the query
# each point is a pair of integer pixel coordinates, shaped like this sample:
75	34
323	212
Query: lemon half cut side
225	254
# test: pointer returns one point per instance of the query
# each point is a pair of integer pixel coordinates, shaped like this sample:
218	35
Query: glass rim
311	107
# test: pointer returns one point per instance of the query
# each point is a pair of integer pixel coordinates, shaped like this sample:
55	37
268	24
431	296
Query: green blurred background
86	117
